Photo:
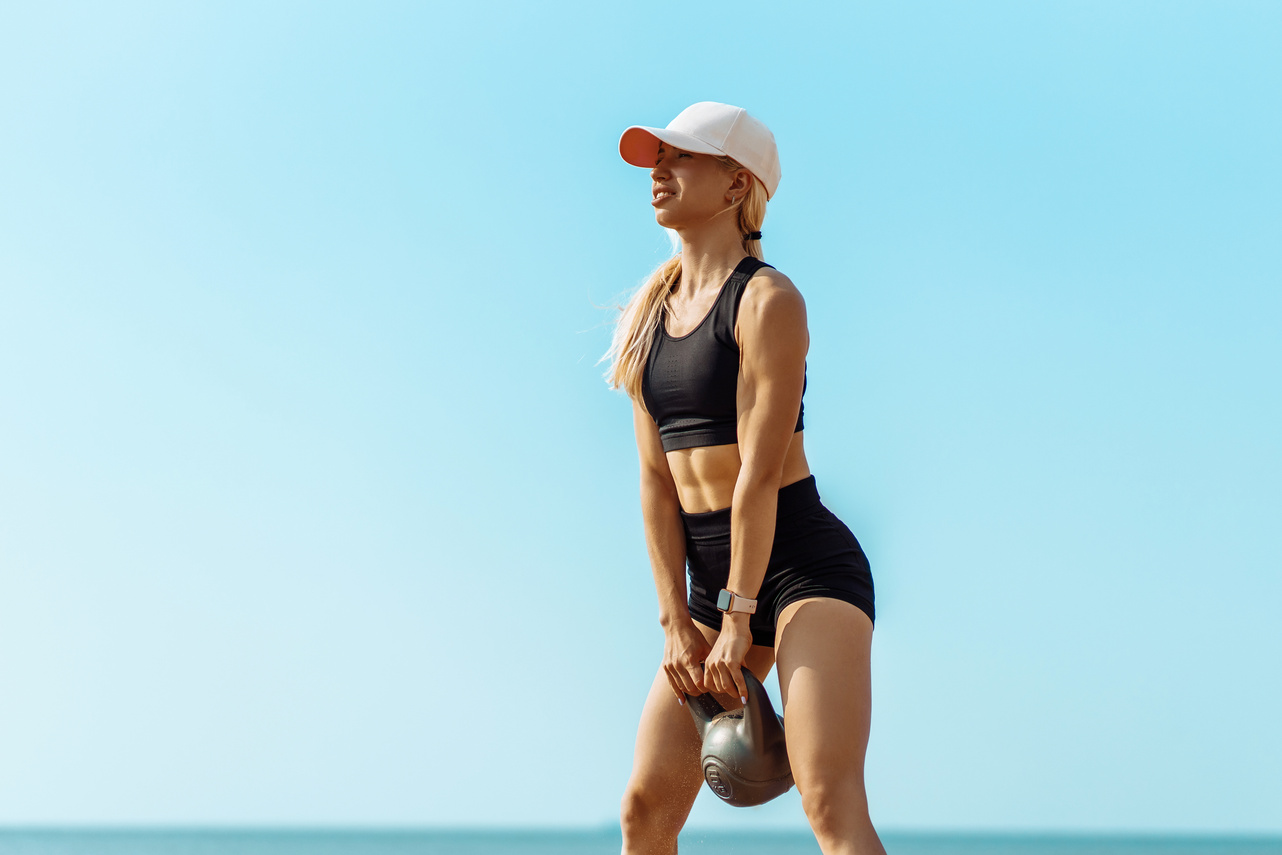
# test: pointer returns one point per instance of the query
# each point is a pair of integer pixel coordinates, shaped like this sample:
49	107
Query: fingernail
743	698
681	701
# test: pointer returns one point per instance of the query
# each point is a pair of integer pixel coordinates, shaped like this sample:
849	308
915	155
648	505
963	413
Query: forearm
666	543
752	531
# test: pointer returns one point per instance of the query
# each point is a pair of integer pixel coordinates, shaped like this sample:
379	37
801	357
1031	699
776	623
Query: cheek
701	191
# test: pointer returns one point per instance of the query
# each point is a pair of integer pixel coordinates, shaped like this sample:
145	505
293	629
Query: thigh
823	647
666	757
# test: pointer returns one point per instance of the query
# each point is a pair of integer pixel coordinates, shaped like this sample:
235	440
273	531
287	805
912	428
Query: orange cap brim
639	145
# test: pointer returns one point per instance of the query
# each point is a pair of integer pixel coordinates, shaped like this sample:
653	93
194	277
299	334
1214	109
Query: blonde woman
712	351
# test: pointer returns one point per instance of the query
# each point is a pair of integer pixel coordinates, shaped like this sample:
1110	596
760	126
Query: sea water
606	842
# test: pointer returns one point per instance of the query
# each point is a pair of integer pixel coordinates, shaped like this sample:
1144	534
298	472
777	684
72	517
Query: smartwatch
730	603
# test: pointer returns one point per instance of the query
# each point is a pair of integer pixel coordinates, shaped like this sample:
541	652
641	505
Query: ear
739	185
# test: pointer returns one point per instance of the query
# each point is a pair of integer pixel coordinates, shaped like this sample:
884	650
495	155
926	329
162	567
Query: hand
724	663
684	649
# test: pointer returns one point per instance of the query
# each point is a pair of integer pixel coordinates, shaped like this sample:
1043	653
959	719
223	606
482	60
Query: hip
807	535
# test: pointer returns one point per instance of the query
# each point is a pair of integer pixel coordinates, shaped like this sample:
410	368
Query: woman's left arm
773	341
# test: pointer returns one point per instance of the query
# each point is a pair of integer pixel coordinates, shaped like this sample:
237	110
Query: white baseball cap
709	128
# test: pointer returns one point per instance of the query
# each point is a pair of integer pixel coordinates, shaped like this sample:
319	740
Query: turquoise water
88	842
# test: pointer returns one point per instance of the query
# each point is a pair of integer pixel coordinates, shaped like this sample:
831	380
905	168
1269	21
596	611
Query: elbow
762	458
758	475
656	484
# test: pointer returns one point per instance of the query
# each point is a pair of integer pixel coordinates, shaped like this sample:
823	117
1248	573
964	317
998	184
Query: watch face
723	600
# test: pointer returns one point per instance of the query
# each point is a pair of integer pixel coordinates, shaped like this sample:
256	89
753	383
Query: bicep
772	373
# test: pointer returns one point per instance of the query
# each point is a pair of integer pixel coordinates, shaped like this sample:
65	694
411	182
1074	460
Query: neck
709	251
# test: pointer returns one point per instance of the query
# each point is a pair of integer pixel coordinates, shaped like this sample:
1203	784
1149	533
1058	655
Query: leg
825	680
665	769
665	775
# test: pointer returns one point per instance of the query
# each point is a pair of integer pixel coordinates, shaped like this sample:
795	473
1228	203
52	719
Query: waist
796	498
705	477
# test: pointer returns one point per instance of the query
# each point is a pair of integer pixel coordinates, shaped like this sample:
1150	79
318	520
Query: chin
666	220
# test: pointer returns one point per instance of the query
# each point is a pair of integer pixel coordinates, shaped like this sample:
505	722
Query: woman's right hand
684	651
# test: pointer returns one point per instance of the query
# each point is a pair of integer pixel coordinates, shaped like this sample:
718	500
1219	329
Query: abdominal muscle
705	477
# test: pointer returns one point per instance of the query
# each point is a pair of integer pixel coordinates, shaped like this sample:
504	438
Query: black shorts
813	555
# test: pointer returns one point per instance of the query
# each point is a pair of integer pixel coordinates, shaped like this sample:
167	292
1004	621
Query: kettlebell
744	758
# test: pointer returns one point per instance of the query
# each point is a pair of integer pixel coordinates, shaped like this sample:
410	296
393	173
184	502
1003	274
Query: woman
712	351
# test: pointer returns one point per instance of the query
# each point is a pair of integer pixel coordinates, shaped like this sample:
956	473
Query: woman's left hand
722	668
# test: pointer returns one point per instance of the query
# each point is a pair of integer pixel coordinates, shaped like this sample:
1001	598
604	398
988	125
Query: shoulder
769	277
770	300
770	293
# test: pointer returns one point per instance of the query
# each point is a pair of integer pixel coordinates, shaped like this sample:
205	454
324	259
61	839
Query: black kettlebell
744	758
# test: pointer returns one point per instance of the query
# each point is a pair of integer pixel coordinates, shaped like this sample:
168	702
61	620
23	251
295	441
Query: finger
676	679
678	691
716	678
697	678
680	679
727	681
740	684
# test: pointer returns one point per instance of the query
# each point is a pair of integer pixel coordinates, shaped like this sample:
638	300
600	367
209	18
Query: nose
660	170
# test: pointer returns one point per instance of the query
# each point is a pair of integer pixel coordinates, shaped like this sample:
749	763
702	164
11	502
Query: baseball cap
709	127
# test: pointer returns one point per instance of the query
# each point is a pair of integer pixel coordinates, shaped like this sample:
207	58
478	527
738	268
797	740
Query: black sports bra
690	383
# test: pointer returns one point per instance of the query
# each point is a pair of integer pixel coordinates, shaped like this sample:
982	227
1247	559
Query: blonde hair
639	320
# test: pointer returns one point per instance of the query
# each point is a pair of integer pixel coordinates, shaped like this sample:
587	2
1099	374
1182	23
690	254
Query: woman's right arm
685	648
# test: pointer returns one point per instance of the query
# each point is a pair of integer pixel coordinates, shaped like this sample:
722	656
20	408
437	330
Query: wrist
728	602
675	620
736	622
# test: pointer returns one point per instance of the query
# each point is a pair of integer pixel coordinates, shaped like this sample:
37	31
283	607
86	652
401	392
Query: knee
634	809
835	809
647	810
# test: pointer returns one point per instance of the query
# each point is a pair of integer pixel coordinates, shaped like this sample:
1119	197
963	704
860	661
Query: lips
661	193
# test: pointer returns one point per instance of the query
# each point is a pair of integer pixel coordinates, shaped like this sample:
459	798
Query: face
689	189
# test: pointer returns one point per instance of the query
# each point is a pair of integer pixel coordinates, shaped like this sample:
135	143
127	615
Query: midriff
705	477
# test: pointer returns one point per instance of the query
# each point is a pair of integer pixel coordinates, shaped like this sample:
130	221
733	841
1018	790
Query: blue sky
315	510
